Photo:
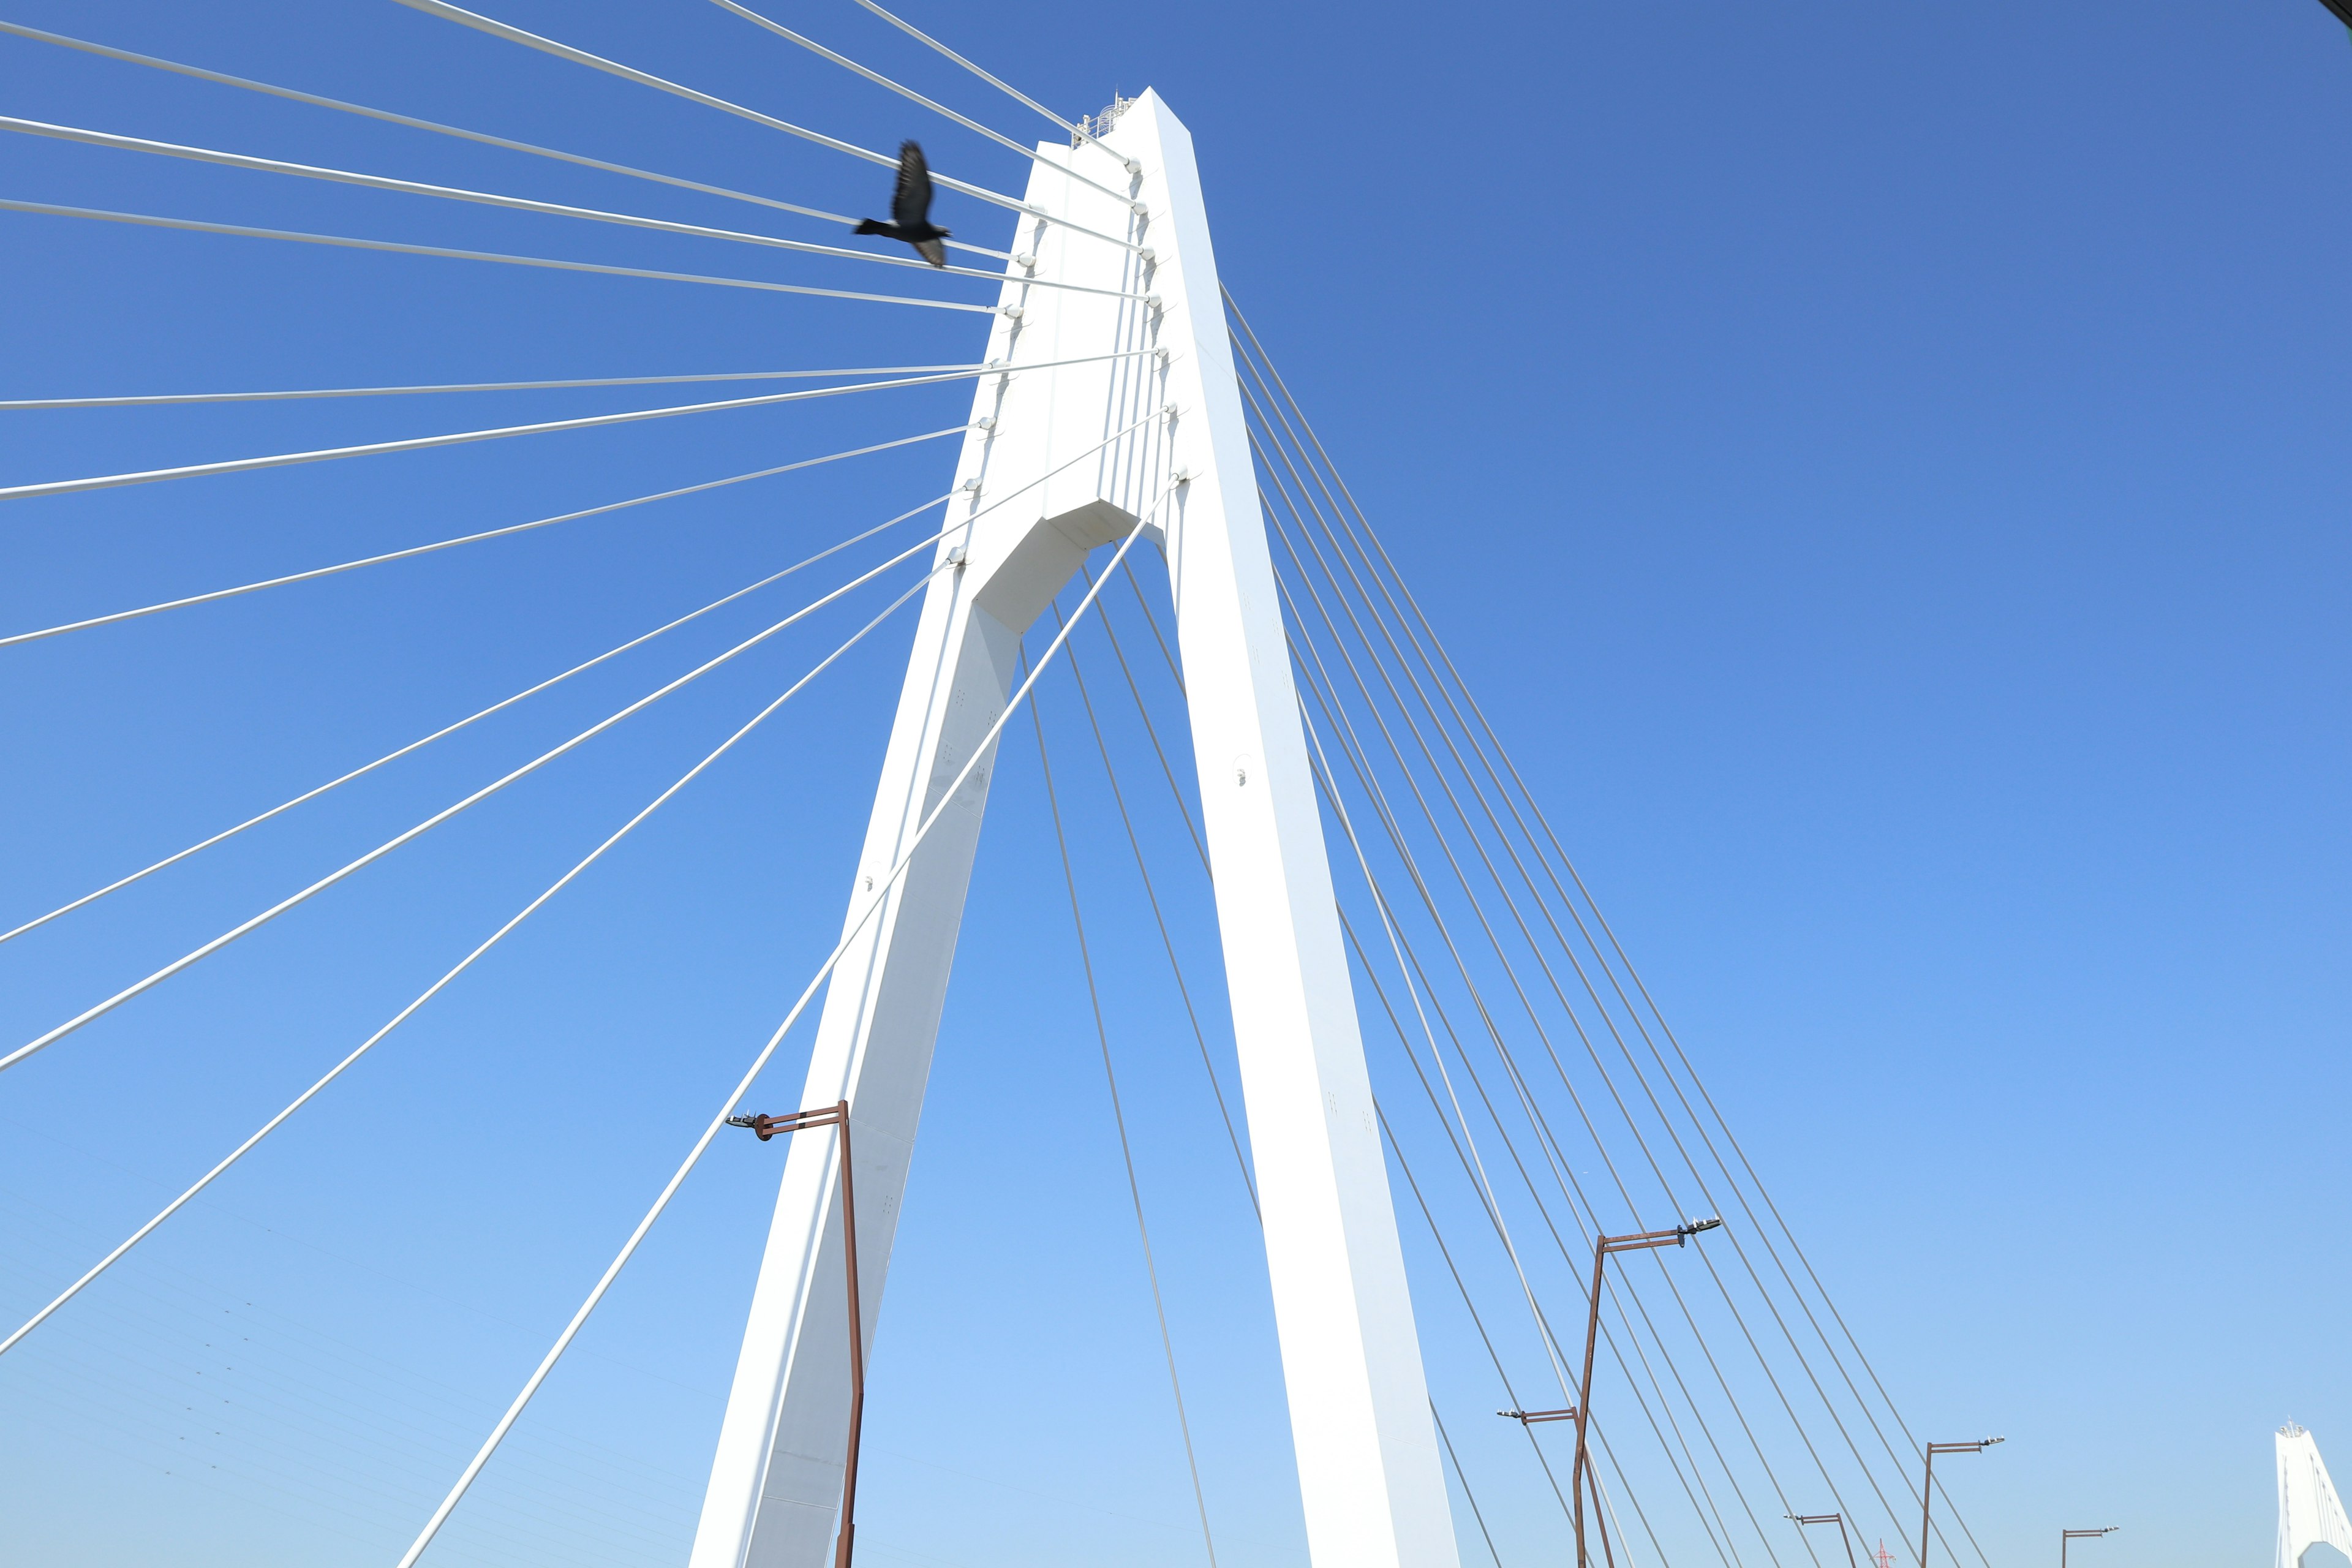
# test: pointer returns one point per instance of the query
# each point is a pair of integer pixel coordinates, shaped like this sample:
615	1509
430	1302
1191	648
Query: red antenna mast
1884	1558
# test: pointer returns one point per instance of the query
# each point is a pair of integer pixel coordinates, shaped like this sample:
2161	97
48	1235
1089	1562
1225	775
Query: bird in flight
910	209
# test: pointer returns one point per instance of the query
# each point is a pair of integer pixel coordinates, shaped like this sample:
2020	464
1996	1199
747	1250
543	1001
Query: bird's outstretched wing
932	251
911	205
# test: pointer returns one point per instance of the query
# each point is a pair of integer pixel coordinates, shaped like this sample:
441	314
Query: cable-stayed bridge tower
1093	452
1122	404
2309	1512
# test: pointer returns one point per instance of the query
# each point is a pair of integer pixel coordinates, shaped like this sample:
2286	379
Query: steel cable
1528	936
928	41
441	9
412	122
153	400
503	703
460	438
878	79
452	253
1571	1191
1185	812
1119	1118
1764	1234
463	965
542	427
285	579
856	924
1535	947
310	795
1489	1201
194	955
253	164
1554	1154
1151	897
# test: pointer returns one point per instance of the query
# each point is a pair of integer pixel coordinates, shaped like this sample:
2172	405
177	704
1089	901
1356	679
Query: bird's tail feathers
869	226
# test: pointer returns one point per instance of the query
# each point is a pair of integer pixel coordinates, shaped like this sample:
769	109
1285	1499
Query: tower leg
1368	1464
775	1484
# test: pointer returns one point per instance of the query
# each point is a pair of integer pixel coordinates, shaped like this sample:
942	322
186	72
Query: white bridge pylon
2310	1513
1369	1473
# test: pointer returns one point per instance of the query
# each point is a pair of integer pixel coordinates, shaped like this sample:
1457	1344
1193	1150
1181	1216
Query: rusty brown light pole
1837	1520
1928	1492
1642	1241
766	1127
2066	1535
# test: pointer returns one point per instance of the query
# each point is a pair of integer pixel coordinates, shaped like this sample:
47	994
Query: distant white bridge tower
2309	1510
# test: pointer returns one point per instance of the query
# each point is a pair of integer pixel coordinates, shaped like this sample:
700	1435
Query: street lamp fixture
2066	1535
1927	1491
1580	1475
1837	1520
765	1127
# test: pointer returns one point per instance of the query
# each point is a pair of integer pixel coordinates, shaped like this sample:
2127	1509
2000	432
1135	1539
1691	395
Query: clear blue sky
1883	467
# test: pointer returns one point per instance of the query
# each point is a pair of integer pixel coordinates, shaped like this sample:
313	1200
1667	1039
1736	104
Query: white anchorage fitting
2309	1513
1049	486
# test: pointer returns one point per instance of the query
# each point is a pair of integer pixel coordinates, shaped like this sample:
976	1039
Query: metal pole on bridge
2066	1535
1643	1241
1927	1490
835	1116
1837	1520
